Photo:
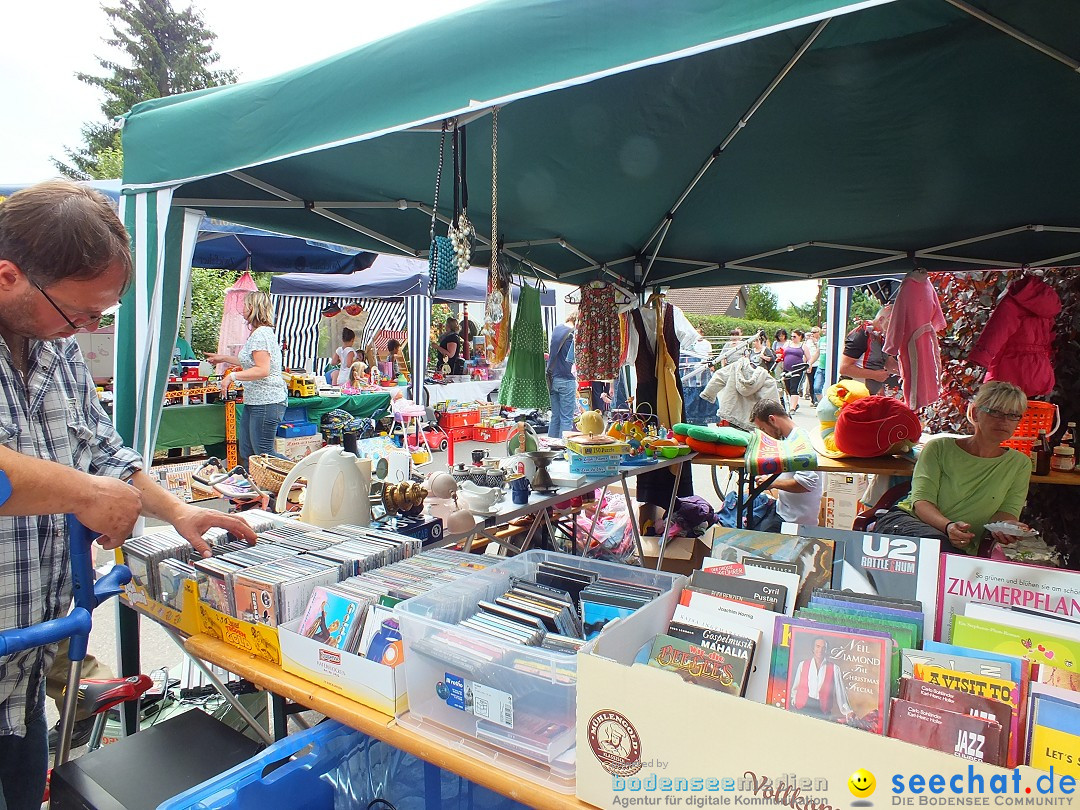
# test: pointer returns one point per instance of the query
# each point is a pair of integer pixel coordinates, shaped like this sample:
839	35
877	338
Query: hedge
722	325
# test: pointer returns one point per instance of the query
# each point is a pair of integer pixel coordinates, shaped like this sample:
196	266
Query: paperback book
813	556
966	579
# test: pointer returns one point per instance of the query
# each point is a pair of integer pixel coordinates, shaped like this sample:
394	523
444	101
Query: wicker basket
268	472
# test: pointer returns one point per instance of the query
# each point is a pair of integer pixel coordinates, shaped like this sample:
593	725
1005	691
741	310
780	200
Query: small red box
456	419
491	434
460	434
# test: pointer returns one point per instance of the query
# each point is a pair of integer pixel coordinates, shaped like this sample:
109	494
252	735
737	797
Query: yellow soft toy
828	411
591	423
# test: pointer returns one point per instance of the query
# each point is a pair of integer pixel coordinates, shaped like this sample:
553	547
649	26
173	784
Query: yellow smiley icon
862	783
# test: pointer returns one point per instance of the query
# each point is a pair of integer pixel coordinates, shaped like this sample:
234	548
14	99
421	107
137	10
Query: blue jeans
819	383
257	429
24	762
563	400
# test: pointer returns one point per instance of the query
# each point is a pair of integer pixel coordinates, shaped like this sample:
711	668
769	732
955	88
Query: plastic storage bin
289	430
524	700
295	414
332	765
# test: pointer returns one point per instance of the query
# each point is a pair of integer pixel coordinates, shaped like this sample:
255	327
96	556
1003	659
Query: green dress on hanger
525	383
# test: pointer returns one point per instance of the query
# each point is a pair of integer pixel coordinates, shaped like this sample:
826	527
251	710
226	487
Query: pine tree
166	52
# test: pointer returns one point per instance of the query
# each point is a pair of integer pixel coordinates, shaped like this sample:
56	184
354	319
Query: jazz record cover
958	734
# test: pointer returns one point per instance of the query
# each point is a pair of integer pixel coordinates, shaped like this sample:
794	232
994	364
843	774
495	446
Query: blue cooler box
332	765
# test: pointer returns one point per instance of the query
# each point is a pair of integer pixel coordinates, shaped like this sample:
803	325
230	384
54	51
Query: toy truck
300	383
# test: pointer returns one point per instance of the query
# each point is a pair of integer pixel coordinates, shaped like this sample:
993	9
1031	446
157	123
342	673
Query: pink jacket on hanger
912	337
1016	343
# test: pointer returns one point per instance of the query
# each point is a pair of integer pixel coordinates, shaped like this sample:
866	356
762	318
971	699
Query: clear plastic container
510	697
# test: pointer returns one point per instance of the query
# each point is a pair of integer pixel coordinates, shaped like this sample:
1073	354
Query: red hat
876	426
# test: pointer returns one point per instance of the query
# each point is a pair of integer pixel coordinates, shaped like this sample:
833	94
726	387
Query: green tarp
688	142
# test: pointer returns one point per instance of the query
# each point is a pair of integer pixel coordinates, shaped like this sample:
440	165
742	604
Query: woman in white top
265	395
346	355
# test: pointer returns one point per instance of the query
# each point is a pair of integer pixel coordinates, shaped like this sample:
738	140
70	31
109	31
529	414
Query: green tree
864	307
207	301
164	52
761	304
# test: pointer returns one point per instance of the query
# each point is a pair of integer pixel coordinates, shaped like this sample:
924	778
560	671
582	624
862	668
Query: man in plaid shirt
64	259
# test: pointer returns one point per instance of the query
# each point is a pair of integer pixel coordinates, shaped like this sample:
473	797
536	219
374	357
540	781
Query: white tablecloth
474	391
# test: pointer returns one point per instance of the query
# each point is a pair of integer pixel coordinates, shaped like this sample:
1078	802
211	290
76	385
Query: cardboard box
257	639
298	447
368	682
186	620
682	555
640	733
612	449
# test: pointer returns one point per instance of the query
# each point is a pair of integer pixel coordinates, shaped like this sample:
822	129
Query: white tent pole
838	303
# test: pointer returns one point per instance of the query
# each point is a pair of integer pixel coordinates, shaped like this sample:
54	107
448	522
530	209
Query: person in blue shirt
562	382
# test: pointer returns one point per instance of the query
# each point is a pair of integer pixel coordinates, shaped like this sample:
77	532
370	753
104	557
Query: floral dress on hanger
525	383
597	341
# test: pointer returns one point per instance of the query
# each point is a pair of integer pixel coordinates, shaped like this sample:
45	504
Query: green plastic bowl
669	451
684	450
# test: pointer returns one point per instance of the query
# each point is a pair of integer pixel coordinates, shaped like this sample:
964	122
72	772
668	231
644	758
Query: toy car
436	438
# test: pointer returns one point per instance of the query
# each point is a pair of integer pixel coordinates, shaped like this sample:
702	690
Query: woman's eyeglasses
996	414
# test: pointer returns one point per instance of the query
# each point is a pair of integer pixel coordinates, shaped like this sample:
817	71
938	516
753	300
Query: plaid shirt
55	416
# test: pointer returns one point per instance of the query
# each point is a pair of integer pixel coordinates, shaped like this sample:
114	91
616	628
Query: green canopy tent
688	143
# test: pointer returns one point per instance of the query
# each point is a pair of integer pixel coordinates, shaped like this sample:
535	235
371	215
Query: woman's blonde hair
258	311
999	395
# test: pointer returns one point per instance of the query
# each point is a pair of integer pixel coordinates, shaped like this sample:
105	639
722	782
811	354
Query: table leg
279	716
592	524
753	493
127	642
222	689
633	518
670	513
739	502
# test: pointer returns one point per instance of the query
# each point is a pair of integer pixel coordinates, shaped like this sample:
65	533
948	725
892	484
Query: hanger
622	299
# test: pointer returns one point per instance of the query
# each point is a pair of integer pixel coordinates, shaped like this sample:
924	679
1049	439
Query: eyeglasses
82	324
995	414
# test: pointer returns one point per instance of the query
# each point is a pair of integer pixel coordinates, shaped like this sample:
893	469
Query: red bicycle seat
96	696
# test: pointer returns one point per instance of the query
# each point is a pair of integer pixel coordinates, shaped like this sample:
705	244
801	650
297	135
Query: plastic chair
865	520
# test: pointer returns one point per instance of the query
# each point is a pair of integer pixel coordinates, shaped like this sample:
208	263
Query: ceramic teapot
338	490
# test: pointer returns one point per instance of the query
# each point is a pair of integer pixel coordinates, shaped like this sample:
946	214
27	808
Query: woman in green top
961	484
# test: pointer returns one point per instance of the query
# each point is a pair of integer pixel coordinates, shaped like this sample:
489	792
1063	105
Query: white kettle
338	490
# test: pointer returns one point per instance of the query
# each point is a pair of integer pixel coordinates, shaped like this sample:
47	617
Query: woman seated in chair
961	484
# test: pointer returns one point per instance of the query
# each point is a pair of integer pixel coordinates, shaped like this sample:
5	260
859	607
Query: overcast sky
45	42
